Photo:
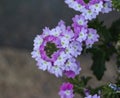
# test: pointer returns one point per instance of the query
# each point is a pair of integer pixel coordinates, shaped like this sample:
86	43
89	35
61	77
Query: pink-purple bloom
92	37
90	8
66	90
55	51
107	6
82	33
79	20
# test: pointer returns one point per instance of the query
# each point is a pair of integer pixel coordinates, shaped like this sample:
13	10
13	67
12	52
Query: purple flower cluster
66	90
55	51
83	34
90	8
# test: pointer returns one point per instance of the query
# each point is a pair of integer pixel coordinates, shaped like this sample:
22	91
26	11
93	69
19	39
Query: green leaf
79	84
115	30
108	92
116	4
101	51
98	66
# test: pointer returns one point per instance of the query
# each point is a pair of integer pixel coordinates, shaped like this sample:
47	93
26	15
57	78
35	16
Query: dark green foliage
98	66
108	92
79	84
115	30
118	82
116	4
102	51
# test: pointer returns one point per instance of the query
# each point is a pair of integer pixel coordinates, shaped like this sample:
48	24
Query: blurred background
20	22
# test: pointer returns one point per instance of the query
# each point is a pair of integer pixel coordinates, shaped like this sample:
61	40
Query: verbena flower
79	20
107	6
82	33
55	50
90	8
92	37
66	90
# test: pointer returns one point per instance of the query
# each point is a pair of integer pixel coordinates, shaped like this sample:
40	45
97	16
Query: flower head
90	8
66	90
92	37
82	33
51	50
107	6
79	20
